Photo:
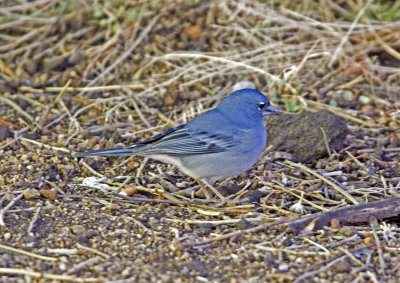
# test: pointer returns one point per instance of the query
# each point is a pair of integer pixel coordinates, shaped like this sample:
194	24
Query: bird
220	143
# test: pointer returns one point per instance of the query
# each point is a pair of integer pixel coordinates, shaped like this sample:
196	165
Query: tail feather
119	151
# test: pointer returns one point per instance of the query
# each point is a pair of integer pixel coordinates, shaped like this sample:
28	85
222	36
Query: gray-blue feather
219	143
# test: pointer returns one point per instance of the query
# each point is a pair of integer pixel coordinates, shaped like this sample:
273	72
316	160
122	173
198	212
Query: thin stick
224	199
348	160
237	233
124	183
9	124
322	269
83	264
137	109
140	170
24	7
128	52
140	224
215	222
342	114
346	37
326	142
329	182
44	145
4	210
362	165
178	202
299	197
351	256
85	89
378	245
154	111
61	102
384	45
94	172
39	275
97	252
206	193
22	252
35	218
234	63
16	107
326	251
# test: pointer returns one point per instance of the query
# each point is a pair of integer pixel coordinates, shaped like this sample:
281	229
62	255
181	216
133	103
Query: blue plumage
219	143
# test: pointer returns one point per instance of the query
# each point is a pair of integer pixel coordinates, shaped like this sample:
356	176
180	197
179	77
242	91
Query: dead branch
353	214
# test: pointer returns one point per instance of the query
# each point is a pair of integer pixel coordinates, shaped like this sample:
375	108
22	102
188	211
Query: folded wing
185	141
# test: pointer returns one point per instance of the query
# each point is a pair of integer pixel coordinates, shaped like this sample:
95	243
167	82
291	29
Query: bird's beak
271	110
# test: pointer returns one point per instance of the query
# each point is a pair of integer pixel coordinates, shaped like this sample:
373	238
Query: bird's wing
182	140
160	136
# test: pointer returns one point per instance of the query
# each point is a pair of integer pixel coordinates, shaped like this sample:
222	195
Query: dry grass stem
49	276
25	253
334	186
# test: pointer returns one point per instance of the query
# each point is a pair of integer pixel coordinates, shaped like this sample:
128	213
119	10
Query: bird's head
249	103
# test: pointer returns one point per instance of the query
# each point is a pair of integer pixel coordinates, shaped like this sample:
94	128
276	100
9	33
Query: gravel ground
88	75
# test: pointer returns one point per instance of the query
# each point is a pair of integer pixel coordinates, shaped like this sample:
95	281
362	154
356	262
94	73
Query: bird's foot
206	193
223	199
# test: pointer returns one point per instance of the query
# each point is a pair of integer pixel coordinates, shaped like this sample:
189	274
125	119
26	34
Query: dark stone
82	239
254	196
46	266
77	58
104	221
301	134
53	173
230	189
5	132
197	265
203	228
343	266
287	242
95	164
32	136
244	224
54	63
91	233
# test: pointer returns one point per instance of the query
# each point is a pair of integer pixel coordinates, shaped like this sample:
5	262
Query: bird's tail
119	151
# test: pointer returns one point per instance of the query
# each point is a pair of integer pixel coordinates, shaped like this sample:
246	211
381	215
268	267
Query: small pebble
335	224
180	185
342	266
300	260
364	99
347	231
78	229
347	95
129	192
243	84
31	194
7	236
114	207
119	232
98	268
203	228
5	132
283	267
62	266
193	31
368	240
48	194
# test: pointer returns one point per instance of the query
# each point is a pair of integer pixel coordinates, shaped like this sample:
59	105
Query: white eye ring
261	105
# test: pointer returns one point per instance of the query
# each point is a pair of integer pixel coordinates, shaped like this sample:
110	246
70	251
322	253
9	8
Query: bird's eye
261	105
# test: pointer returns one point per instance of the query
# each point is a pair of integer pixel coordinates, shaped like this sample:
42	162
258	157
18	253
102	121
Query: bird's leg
224	199
206	193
